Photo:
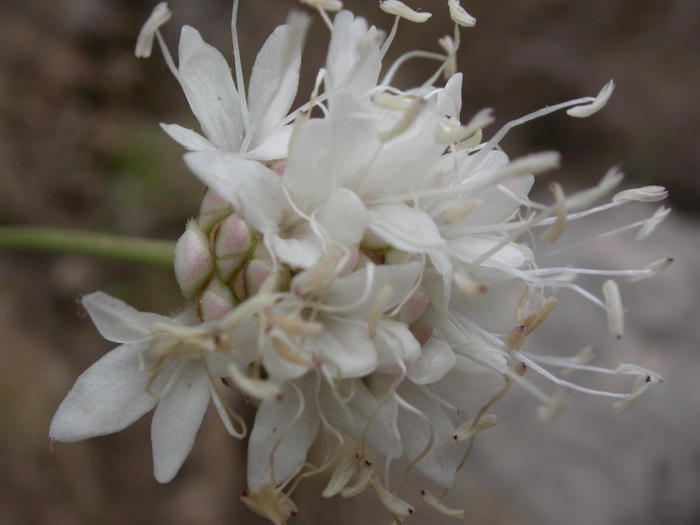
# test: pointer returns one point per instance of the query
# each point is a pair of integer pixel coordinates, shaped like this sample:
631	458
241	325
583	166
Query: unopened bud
234	239
216	302
212	210
193	261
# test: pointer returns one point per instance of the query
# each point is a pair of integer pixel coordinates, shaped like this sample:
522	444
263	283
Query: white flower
251	127
368	274
166	363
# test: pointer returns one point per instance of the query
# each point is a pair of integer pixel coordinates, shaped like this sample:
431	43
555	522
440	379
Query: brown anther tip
245	494
647	379
422	492
368	463
618	336
455	437
411	511
293	513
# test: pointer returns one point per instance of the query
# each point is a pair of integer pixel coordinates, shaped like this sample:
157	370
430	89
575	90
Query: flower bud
193	261
216	302
232	242
212	210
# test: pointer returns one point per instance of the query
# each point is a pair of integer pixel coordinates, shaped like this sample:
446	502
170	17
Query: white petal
190	140
363	416
440	464
470	382
343	216
450	98
107	397
283	431
117	321
274	145
332	152
498	205
400	166
209	88
405	228
176	421
494	309
470	247
275	76
250	187
397	348
346	345
350	289
297	253
436	359
353	60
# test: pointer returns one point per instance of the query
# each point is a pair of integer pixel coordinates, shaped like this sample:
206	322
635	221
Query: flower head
365	267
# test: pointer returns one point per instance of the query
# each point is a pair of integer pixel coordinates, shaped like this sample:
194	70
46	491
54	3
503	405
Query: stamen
552	233
395	7
144	43
450	47
260	389
434	502
364	470
341	476
651	223
644	194
645	379
238	66
467	430
459	16
271	503
613	304
597	104
395	505
653	269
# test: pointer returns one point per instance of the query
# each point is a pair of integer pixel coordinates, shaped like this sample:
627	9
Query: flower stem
118	247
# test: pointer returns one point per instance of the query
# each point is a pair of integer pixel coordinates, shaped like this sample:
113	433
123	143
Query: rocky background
80	147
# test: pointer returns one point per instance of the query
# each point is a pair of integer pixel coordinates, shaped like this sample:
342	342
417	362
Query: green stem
118	247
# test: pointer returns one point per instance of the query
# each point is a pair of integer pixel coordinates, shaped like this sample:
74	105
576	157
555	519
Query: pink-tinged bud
233	240
212	210
193	261
256	273
216	302
414	308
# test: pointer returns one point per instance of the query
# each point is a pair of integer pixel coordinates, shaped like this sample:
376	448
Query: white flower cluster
362	268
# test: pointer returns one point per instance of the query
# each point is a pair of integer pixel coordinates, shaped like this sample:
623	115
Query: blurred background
80	147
